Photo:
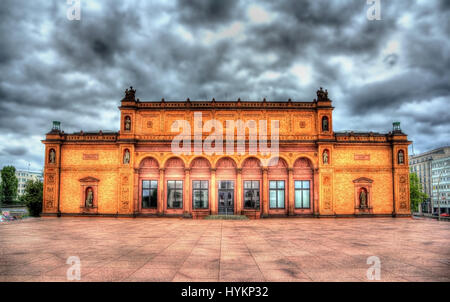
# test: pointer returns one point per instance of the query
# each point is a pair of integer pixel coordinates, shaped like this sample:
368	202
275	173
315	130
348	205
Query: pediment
363	180
89	179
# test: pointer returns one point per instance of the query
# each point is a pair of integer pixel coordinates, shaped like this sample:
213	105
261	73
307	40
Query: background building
23	176
422	165
440	171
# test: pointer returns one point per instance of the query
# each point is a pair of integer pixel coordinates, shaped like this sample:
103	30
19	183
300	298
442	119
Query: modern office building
440	171
192	159
422	165
23	176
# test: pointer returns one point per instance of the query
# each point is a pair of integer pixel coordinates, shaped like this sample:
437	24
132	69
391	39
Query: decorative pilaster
213	206
265	193
161	194
187	203
239	191
291	191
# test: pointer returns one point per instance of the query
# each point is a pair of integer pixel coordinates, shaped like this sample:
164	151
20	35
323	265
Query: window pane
204	198
204	184
145	198
154	184
306	198
281	198
272	184
153	198
298	198
196	184
247	184
281	184
170	184
306	184
179	184
223	185
146	184
273	198
248	198
231	185
298	184
256	184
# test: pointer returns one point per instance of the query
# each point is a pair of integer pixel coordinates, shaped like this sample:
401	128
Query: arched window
325	124
127	123
401	157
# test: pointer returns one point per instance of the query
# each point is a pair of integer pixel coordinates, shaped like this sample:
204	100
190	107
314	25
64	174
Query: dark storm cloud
15	151
207	13
76	71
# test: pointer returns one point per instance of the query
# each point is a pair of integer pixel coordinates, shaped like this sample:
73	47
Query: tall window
200	194
302	194
175	194
276	194
149	194
251	194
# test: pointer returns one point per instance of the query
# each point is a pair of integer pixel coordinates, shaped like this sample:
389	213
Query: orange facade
316	171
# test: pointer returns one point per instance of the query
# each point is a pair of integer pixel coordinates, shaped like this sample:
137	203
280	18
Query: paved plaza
173	249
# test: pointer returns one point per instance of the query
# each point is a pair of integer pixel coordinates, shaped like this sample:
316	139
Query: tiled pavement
172	249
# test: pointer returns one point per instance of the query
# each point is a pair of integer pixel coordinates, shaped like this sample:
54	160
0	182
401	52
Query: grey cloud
76	71
15	151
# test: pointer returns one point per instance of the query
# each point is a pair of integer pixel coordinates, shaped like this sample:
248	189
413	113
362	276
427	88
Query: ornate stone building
316	172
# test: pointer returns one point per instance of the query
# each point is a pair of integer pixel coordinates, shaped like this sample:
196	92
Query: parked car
445	215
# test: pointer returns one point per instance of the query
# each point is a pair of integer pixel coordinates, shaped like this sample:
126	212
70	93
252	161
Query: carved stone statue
52	156
324	124
400	157
126	157
130	94
322	95
325	157
127	123
89	198
363	199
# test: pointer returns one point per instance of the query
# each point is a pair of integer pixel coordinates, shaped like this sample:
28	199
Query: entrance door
226	197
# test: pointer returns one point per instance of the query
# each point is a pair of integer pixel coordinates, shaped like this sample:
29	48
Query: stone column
187	204
316	184
161	194
213	205
136	192
265	193
239	191
291	191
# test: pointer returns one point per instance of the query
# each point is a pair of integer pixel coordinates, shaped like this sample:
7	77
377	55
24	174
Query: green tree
415	192
33	197
8	185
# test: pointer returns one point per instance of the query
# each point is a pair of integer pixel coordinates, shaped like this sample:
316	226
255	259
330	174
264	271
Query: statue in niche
324	123
325	157
363	199
127	123
126	157
89	198
400	157
52	156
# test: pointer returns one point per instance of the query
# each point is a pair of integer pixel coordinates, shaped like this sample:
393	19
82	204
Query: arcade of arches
316	172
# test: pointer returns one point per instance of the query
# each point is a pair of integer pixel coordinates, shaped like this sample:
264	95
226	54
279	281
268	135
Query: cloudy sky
376	72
